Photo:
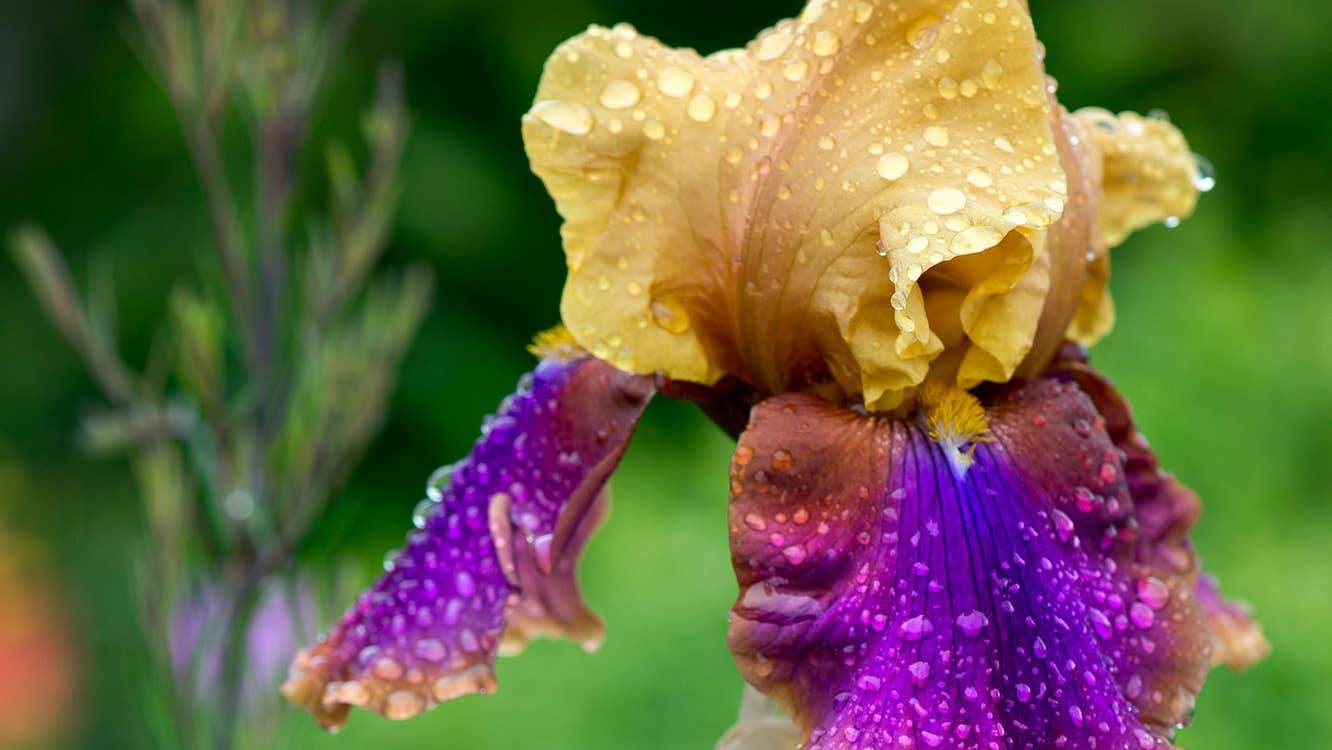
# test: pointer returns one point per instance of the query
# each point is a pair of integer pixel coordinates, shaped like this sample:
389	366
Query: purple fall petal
891	600
1166	510
493	559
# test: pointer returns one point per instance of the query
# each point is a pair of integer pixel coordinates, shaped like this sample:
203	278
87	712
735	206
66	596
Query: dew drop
863	12
946	200
439	481
1204	176
569	117
795	70
1003	144
774	44
670	314
701	108
422	513
936	136
795	554
972	623
654	129
826	43
975	239
403	704
915	628
1153	592
979	178
619	95
675	81
923	32
1063	524
991	73
892	166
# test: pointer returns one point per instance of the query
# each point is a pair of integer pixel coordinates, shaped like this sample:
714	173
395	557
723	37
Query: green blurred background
1224	344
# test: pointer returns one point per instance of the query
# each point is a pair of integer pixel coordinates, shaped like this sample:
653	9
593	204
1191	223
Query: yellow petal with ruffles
1147	174
855	196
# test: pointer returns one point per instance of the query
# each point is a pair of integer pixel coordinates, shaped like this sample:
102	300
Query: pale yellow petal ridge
777	212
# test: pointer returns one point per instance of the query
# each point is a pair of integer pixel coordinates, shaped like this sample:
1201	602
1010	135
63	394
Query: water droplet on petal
422	513
1204	178
972	623
675	81
991	72
619	94
915	628
701	108
923	32
946	200
936	135
795	70
774	44
892	166
570	117
826	43
670	314
403	704
975	239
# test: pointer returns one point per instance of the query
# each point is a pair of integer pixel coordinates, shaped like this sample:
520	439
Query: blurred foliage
1224	341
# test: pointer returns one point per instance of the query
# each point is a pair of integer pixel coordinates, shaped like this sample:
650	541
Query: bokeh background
1224	345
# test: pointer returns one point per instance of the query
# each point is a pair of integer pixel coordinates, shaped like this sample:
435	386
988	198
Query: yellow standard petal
1143	173
857	199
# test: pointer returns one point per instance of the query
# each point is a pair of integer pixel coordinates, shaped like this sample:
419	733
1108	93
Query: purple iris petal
893	601
1166	511
493	559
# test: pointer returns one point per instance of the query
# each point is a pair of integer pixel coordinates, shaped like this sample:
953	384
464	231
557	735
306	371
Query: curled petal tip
492	561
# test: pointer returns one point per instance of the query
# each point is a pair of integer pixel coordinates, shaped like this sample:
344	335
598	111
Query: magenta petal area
1166	511
491	563
891	599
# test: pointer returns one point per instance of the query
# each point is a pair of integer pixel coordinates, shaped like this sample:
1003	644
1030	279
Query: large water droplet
619	94
826	43
774	44
915	628
570	117
946	200
923	32
892	166
422	513
670	314
1204	176
972	623
675	81
795	70
975	239
701	108
439	481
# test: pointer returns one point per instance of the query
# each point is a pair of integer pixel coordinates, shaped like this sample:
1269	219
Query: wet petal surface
890	599
491	563
856	191
1166	510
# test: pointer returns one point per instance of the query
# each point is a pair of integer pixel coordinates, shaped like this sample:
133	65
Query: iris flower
871	245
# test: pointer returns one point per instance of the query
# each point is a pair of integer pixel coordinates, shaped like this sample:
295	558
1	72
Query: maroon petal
892	600
1166	511
492	561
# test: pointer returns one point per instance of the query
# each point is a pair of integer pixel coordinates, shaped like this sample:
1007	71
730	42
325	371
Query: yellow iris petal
859	196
